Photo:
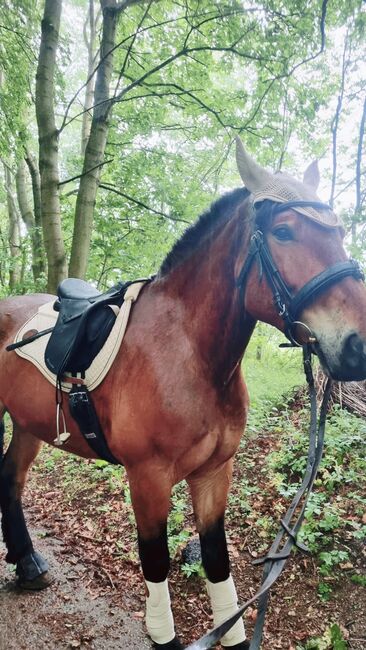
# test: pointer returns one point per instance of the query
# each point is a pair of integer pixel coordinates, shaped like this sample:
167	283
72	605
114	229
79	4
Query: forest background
117	123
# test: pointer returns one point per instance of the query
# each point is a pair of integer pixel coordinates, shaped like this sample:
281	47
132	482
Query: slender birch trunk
27	214
48	145
89	40
358	206
95	148
32	164
13	232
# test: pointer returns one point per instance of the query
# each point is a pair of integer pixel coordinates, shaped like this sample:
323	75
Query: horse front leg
32	569
209	496
150	494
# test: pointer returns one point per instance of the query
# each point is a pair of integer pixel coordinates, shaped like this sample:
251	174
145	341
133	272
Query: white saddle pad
46	317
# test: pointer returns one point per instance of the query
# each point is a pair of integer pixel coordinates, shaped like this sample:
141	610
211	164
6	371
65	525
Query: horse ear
253	175
312	175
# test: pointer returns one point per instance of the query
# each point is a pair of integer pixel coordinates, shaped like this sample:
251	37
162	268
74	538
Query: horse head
297	275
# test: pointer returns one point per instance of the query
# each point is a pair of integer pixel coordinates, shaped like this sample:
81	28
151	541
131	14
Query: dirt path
66	615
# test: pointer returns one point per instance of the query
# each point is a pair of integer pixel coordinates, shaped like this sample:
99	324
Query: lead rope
275	560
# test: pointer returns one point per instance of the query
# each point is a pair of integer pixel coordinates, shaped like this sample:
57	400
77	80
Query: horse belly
31	402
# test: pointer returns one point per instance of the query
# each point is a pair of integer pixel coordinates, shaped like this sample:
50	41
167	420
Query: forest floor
67	614
82	521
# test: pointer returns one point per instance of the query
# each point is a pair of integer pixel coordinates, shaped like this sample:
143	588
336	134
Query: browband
317	205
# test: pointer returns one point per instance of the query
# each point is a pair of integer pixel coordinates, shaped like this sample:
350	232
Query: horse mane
217	215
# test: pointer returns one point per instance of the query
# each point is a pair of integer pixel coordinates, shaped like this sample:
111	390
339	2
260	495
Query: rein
275	560
288	307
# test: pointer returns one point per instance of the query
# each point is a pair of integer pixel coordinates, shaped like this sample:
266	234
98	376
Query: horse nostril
355	345
352	362
354	352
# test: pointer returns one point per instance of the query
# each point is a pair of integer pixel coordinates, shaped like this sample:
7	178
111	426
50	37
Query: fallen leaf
346	566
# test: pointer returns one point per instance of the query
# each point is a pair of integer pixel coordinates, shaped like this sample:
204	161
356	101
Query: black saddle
86	317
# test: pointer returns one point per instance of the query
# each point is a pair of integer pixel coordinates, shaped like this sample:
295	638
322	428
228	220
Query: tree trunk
94	153
39	259
358	207
36	186
48	145
89	89
27	215
13	233
335	122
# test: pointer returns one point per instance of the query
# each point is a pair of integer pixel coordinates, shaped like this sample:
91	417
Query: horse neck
205	283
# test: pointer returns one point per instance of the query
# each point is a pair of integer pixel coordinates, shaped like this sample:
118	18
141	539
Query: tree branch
129	3
115	47
141	204
74	178
288	74
131	44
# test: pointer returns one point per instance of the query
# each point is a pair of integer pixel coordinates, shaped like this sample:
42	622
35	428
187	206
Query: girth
289	305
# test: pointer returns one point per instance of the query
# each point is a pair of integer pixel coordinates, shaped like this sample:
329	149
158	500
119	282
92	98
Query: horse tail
2	433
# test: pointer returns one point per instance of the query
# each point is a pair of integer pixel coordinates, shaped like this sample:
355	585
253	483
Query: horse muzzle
351	363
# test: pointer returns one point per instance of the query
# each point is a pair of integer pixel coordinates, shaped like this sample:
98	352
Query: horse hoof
37	584
243	645
32	572
174	644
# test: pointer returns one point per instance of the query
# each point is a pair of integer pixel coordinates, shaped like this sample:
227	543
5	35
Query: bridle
288	305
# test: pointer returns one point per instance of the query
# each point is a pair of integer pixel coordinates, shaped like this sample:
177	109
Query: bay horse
174	403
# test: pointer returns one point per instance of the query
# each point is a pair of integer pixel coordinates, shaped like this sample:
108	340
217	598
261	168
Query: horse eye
283	233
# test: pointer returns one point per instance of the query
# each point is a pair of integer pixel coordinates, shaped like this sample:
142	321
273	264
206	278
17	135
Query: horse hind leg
209	495
31	568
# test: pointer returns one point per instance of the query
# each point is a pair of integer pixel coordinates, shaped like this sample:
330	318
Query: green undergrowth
336	508
332	639
270	371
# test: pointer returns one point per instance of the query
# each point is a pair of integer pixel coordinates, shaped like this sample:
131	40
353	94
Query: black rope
280	550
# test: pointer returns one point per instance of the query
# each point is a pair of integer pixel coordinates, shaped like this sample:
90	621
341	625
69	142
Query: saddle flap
83	325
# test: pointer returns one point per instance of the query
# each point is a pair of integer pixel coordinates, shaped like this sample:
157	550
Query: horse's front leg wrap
224	602
150	492
159	617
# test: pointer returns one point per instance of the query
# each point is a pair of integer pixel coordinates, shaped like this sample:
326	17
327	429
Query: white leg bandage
224	602
159	617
